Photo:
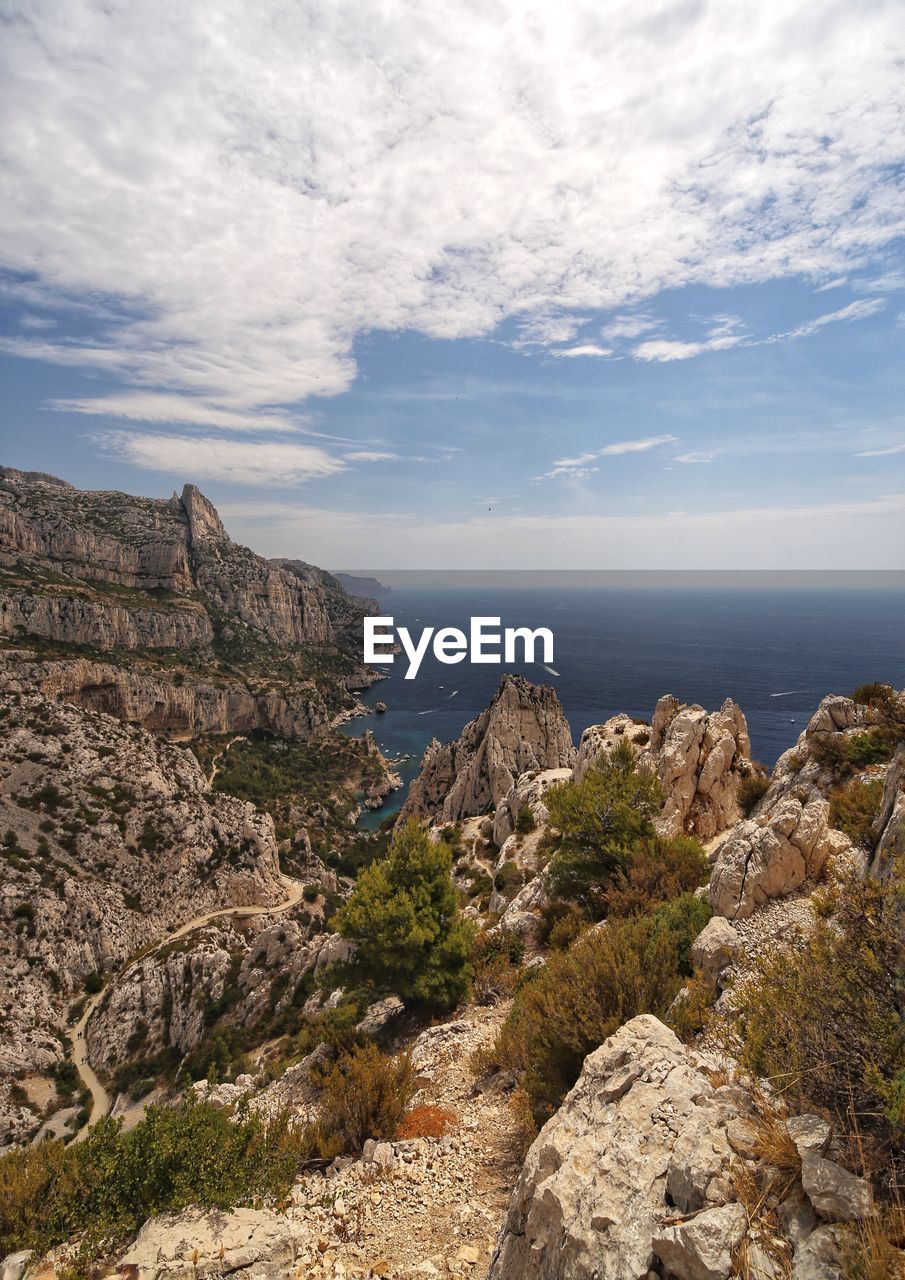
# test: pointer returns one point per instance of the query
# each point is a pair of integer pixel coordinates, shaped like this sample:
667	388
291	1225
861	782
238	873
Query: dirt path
219	756
100	1099
437	1207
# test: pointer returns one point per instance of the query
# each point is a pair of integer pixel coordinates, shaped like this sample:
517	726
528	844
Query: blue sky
590	287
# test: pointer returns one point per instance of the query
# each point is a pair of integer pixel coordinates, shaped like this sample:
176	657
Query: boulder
196	1243
836	1194
15	1265
714	949
594	1193
703	1247
771	856
820	1256
810	1133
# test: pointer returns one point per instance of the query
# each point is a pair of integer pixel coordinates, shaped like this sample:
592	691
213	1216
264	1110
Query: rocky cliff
146	609
114	570
112	839
523	728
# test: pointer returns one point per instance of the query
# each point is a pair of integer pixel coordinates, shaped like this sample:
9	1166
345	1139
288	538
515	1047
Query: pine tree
404	917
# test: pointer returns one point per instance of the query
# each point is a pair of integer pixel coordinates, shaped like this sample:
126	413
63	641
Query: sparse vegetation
854	808
364	1094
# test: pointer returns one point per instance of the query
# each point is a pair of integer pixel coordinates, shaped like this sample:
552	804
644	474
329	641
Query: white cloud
629	326
371	455
859	310
212	458
147	406
881	453
662	350
587	349
692	458
239	191
577	468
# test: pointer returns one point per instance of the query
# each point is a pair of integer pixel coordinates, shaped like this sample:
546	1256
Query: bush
365	1094
751	790
602	820
509	879
93	983
853	809
525	822
405	918
825	1023
495	961
111	1183
426	1121
682	920
580	997
656	872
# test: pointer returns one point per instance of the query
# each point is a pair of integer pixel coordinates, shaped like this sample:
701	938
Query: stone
714	949
702	1248
797	1217
819	1257
810	1133
836	1194
592	1195
523	729
198	1243
15	1265
771	856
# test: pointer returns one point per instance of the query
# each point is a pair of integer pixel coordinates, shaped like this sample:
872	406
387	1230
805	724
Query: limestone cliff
523	728
112	570
112	839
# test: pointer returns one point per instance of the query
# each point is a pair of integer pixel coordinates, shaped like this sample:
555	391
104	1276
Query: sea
776	653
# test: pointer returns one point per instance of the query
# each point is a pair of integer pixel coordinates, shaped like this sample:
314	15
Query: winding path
100	1098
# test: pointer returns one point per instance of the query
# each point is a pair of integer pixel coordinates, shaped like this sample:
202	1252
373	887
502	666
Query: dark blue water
776	653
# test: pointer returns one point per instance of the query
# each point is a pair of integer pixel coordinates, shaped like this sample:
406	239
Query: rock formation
113	839
771	855
699	757
523	729
637	1174
165	571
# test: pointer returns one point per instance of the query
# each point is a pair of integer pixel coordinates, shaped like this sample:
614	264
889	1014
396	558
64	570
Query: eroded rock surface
523	729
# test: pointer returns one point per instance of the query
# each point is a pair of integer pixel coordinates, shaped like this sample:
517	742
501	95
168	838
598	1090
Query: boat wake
787	694
552	670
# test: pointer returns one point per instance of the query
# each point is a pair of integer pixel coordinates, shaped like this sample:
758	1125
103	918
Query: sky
466	285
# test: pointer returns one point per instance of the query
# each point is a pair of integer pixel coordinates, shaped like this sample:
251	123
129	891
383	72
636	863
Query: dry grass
874	1248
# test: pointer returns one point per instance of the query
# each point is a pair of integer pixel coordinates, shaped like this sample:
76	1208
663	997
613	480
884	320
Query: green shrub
682	920
365	1094
751	790
93	983
569	1007
825	1023
404	917
111	1183
311	892
853	809
508	879
525	822
656	871
602	820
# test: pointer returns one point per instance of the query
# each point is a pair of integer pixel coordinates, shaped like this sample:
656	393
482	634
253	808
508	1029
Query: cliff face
112	839
113	570
523	728
187	633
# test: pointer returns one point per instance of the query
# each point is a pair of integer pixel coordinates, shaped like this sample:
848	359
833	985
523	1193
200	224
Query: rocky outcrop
699	757
113	839
772	855
249	970
598	740
519	826
182	708
250	1244
641	1173
642	1138
523	729
889	827
112	570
